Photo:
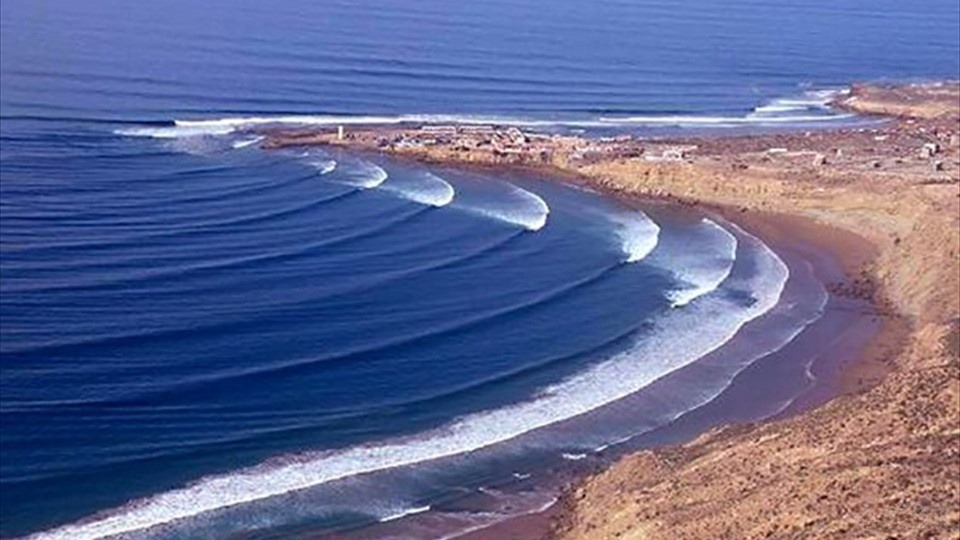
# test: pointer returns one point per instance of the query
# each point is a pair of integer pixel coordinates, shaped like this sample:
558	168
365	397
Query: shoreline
851	372
854	254
880	211
723	409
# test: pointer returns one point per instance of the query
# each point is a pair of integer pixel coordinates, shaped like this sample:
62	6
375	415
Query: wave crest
619	376
638	235
810	107
723	121
426	188
816	102
174	132
364	175
325	166
540	210
523	208
247	142
706	270
404	513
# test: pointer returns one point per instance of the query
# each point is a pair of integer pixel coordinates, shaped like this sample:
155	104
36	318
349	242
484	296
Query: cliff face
878	463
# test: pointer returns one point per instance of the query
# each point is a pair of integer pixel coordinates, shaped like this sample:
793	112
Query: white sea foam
523	208
604	446
174	132
405	513
637	233
247	142
364	174
772	112
721	121
705	270
810	108
757	351
778	106
543	507
224	126
324	166
678	339
783	109
539	209
572	457
424	188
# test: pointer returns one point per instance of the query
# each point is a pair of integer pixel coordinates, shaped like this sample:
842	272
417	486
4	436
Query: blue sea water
199	334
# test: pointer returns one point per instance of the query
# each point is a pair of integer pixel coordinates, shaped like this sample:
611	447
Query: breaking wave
703	271
812	107
815	102
174	131
226	126
247	142
405	513
426	188
724	121
809	108
638	235
524	208
363	174
669	346
325	166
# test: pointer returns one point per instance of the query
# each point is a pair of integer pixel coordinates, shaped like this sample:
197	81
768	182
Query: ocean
203	339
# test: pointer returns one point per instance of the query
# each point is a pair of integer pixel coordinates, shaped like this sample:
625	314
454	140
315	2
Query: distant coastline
884	199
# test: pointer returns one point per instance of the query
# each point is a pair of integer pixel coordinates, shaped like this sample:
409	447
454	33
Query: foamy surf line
404	513
427	188
812	107
747	360
526	209
704	273
724	120
225	126
324	166
363	174
812	101
249	142
638	235
716	322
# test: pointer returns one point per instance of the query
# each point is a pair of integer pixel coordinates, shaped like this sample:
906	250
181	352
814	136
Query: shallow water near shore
199	338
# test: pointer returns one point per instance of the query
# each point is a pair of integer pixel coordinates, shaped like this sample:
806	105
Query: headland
878	460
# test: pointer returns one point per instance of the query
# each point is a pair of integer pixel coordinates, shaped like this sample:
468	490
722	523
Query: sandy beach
877	456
